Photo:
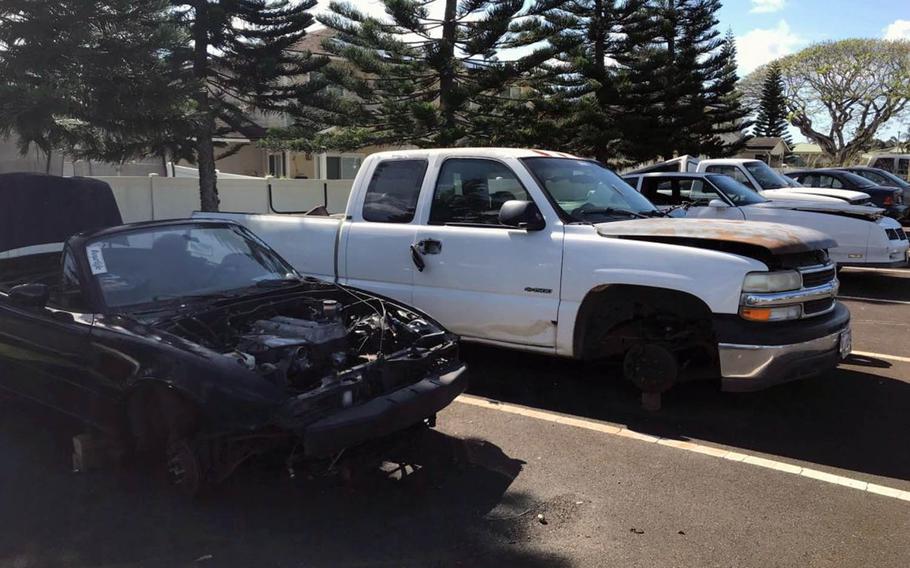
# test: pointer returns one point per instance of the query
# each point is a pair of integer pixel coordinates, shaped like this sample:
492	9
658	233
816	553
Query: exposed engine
304	344
294	351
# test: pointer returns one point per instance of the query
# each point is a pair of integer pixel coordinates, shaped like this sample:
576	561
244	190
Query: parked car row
214	338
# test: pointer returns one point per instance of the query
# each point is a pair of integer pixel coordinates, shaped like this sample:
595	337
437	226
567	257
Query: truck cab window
394	189
731	171
472	191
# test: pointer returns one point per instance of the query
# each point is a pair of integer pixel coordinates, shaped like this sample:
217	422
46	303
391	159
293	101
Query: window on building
342	167
278	165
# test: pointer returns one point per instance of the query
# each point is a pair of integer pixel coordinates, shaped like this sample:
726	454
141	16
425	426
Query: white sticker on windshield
96	260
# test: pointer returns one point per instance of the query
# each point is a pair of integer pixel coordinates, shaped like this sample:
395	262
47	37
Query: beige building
770	150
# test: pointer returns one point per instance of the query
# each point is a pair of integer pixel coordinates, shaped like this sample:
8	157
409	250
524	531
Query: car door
45	351
700	194
483	280
377	247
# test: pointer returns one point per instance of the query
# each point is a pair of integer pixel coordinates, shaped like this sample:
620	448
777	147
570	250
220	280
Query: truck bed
307	242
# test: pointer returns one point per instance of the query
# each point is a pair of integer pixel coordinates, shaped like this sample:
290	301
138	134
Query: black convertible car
195	339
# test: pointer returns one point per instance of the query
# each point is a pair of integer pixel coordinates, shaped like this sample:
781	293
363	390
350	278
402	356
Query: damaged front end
350	367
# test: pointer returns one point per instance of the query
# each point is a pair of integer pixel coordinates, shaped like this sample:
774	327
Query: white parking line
882	356
874	300
605	428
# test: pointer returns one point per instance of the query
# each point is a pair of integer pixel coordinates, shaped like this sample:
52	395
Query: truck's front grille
818	275
816	307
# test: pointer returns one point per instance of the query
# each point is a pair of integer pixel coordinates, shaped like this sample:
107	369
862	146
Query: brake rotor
651	367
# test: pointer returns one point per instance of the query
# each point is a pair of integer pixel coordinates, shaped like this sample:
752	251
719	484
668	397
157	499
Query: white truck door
483	280
377	253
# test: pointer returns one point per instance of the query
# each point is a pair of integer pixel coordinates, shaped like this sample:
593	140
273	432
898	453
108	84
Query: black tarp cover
40	209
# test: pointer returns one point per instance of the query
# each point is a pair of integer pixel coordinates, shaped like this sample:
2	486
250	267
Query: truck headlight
772	314
781	281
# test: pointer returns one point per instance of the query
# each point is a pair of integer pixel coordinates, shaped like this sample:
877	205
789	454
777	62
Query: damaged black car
196	340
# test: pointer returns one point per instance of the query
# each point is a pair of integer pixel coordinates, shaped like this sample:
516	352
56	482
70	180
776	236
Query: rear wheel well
614	318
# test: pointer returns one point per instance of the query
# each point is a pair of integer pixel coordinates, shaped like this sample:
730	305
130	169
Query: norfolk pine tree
771	119
431	80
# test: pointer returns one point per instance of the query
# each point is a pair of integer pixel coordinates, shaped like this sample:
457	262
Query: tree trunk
205	147
447	73
47	161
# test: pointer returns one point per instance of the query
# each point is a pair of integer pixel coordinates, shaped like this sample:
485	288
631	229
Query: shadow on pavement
875	285
436	515
848	419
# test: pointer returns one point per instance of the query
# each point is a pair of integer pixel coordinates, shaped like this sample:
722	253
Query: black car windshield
766	177
857	180
587	191
160	264
882	177
735	191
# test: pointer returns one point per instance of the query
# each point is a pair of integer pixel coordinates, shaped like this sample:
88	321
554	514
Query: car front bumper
381	416
752	358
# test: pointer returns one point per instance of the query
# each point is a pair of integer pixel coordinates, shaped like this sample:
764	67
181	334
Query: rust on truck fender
776	238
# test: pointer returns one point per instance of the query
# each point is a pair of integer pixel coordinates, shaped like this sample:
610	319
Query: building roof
806	148
312	41
766	143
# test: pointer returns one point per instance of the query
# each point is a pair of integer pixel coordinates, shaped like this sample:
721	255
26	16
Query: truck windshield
766	177
587	191
735	191
161	264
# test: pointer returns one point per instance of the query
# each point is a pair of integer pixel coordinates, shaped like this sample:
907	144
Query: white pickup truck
757	176
545	252
865	237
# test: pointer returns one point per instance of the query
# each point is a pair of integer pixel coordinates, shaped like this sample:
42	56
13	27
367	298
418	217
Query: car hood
848	194
788	195
775	238
828	207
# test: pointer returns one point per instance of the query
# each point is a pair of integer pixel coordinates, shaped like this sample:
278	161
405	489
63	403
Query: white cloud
898	29
759	46
767	6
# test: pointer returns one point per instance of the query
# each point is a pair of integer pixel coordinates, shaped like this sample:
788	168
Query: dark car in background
196	342
881	177
888	198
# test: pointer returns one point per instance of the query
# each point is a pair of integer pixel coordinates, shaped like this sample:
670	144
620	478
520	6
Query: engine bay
303	342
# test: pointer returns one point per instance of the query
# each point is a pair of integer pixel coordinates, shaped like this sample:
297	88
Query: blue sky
767	29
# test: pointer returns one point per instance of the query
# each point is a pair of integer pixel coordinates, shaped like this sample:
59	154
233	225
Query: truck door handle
429	246
418	261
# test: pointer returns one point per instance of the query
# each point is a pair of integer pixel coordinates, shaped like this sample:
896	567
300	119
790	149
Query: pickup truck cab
759	177
550	253
865	237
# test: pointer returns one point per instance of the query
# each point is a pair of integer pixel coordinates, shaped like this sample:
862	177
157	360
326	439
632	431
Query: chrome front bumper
754	367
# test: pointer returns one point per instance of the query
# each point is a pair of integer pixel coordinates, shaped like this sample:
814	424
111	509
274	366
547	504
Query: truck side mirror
717	203
521	214
32	295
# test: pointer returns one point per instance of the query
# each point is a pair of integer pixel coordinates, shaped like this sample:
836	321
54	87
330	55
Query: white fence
155	197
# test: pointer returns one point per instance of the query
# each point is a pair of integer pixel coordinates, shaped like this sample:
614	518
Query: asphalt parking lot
544	463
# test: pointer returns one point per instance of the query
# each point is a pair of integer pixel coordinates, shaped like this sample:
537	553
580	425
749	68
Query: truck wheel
651	367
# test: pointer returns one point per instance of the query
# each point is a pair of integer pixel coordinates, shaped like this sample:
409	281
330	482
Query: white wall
155	197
